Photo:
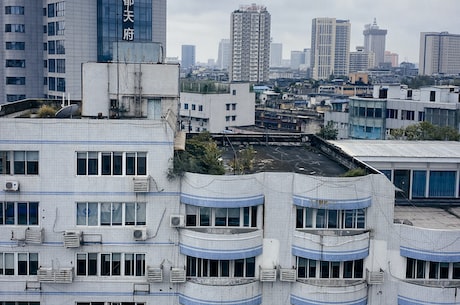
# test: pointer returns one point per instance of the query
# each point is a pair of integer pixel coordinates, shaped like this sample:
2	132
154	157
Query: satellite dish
67	111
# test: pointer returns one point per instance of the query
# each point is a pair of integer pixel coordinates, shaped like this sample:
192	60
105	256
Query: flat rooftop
429	217
287	157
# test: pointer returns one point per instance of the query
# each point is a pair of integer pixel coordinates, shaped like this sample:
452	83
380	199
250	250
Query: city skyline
204	23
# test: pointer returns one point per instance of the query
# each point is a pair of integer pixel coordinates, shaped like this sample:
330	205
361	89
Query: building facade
224	56
439	53
250	44
330	47
215	107
361	60
188	58
276	54
69	33
374	41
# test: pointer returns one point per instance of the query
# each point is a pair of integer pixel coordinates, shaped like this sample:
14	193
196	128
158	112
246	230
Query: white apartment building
216	110
439	53
330	47
250	44
374	41
395	107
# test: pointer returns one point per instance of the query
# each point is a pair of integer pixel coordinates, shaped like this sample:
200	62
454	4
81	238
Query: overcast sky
204	23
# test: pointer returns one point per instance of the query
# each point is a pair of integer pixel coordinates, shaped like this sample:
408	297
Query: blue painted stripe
81	293
185	300
447	257
57	193
333	256
409	301
296	300
84	142
221	253
332	204
108	243
219	202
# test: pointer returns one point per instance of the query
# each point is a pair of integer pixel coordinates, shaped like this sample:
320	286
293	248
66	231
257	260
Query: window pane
434	270
92	263
141	213
9	263
251	267
32	162
239	268
33	213
359	269
444	270
348	269
116	263
116	214
205	216
92	163
324	269
81	264
191	212
332	222
9	213
311	268
117	163
234	217
129	264
130	213
81	163
221	217
105	264
456	271
106	213
141	163
81	214
33	263
140	264
321	218
130	164
224	268
22	263
22	213
19	162
106	164
92	212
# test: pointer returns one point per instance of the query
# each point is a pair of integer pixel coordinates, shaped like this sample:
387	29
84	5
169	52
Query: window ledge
222	230
441	283
332	282
220	281
334	232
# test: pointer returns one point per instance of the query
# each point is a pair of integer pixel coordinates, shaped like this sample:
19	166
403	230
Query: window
60	65
420	269
15	80
15	45
60	9
52	47
186	106
233	117
60	28
60	48
200	107
14	28
15	63
51	29
193	107
51	83
407	115
60	84
221	217
309	268
201	267
432	96
14	10
111	213
110	264
19	162
19	213
51	10
18	263
392	113
421	116
112	163
227	118
14	97
330	219
51	65
227	107
233	106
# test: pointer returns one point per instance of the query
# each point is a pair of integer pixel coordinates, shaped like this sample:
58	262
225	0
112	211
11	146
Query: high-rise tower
250	44
188	56
439	53
374	41
45	42
330	47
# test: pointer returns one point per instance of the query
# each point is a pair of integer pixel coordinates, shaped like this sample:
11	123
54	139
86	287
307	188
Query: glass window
15	45
14	10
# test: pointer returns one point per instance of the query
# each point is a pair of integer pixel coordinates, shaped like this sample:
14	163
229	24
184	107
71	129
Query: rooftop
429	217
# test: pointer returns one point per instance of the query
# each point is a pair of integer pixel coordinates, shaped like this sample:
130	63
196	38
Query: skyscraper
224	56
276	54
330	47
250	44
188	56
374	41
361	60
439	53
69	33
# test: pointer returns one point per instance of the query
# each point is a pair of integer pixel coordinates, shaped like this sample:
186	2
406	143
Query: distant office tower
374	41
45	42
439	53
300	60
361	60
276	54
224	56
188	56
330	47
250	44
392	58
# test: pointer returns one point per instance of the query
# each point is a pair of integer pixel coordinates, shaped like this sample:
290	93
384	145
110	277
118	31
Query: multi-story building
250	44
394	107
330	47
45	42
361	60
439	53
215	107
392	58
224	56
276	54
374	41
188	56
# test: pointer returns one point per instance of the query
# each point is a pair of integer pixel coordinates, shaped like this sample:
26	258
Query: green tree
328	132
201	155
425	131
244	160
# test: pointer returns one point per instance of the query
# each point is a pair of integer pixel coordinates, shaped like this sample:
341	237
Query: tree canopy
201	155
425	131
328	132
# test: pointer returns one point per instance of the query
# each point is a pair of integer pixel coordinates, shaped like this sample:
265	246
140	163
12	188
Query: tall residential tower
439	53
250	44
330	47
45	42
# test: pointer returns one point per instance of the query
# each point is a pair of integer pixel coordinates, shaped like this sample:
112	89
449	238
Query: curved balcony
246	294
430	244
221	243
303	294
222	191
413	294
331	245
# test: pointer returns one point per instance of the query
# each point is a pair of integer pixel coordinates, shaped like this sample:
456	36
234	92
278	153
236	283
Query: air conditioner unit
72	239
140	234
11	186
176	221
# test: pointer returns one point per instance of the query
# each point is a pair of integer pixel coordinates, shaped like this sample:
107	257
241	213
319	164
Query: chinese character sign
128	20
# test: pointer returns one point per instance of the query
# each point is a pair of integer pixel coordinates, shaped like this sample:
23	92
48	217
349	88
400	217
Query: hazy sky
204	23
